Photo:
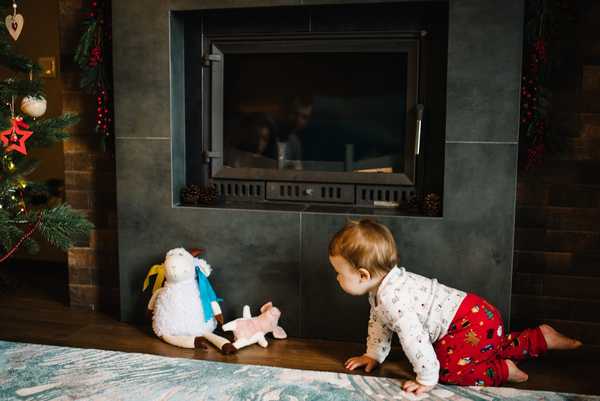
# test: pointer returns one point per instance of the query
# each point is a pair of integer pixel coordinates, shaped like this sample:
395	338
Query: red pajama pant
474	350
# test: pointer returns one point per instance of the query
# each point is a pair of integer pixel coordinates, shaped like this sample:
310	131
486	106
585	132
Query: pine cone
432	205
208	195
190	195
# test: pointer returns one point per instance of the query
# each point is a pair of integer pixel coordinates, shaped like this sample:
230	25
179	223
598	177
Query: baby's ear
364	274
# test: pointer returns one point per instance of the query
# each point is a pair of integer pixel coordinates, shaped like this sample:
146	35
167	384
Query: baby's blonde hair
365	244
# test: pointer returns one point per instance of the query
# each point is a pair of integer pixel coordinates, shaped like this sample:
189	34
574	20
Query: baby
448	335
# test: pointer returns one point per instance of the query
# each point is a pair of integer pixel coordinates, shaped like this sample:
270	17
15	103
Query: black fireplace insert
346	116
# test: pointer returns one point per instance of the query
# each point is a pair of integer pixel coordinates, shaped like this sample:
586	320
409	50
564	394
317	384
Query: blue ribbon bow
207	294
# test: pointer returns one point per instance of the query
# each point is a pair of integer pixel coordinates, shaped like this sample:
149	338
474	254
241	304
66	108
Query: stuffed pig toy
250	330
186	309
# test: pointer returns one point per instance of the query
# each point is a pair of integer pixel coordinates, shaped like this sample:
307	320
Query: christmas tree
23	210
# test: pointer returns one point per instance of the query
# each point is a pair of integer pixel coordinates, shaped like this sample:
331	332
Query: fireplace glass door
324	109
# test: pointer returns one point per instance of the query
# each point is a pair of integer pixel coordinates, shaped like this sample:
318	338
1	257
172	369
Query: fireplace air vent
241	190
310	192
373	195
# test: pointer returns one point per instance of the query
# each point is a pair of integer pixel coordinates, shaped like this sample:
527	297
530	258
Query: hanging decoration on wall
536	135
93	56
534	96
14	22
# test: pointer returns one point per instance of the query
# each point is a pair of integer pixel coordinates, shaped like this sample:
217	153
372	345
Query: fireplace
344	116
274	251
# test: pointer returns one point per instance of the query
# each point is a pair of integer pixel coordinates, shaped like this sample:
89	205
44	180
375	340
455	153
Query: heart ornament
14	24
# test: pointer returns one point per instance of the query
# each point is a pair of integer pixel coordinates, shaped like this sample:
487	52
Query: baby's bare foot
555	340
515	375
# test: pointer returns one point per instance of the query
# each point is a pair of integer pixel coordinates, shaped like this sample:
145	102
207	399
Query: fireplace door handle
420	109
209	58
207	155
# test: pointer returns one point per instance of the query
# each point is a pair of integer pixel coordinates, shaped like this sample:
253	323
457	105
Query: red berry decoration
93	58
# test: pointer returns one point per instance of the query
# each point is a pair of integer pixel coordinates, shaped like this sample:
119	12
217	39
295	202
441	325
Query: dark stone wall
282	255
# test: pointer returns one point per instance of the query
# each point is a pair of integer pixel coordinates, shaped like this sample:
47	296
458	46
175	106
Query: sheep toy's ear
195	252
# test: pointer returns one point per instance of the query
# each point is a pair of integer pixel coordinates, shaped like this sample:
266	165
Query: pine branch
9	232
31	246
24	238
82	53
23	167
39	193
37	187
57	123
35	192
61	226
16	62
20	88
49	131
5	187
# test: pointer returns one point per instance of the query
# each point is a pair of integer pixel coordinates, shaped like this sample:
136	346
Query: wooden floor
37	312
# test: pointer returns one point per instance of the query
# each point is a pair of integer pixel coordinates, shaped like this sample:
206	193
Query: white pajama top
420	311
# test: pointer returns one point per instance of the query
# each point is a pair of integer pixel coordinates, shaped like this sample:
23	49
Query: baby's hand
363	360
411	386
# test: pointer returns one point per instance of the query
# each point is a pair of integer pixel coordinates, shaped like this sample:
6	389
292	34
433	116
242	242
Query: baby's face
348	277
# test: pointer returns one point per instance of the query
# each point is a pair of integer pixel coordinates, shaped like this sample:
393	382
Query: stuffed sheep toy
186	309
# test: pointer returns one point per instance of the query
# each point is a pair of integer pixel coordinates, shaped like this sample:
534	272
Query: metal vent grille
241	190
375	195
310	192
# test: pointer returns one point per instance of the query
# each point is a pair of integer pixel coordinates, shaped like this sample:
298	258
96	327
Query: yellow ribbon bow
159	270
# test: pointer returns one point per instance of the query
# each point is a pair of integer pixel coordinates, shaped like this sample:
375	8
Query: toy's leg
229	326
180	341
262	341
244	342
246	312
221	343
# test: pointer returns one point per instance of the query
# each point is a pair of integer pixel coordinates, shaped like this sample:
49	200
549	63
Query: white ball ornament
33	106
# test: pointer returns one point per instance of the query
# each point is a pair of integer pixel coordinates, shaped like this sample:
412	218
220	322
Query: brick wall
557	258
90	181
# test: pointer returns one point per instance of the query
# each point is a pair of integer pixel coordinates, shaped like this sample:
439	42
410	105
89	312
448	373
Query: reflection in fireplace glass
339	112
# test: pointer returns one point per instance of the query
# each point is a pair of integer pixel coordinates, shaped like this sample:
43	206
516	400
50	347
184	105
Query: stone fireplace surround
281	254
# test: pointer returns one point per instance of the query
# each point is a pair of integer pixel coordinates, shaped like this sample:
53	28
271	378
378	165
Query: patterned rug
40	372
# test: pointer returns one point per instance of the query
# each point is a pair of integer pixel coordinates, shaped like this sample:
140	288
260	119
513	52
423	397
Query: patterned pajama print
474	349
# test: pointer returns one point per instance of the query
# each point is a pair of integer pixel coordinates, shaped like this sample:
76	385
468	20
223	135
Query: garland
534	95
93	55
23	238
544	21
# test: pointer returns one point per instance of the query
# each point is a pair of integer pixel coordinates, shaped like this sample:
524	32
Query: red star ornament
14	138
